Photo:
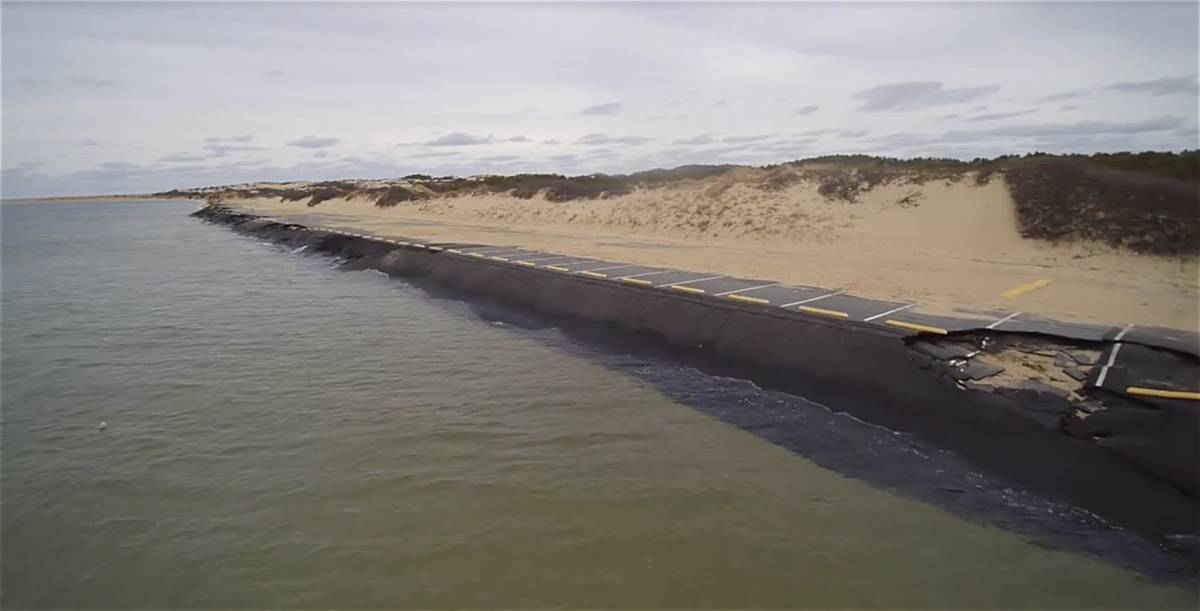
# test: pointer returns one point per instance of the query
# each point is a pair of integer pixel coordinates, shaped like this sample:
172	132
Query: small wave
301	249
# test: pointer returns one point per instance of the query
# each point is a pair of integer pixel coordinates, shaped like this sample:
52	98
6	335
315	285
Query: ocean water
192	418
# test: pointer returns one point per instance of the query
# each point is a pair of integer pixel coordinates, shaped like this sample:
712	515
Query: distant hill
1146	202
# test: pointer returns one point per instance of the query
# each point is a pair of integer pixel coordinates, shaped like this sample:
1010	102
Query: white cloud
610	108
744	139
183	157
604	139
995	116
701	139
459	139
314	142
1186	85
912	95
236	85
92	82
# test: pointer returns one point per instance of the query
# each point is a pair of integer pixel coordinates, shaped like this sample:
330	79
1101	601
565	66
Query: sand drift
1122	444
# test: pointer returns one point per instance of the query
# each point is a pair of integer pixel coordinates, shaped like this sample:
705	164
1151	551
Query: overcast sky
124	98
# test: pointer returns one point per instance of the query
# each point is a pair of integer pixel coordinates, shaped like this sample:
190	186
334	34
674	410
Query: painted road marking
486	249
749	299
1001	321
543	258
1163	394
602	269
1017	291
915	327
686	282
734	294
1123	332
745	290
891	311
823	311
665	271
1112	358
810	299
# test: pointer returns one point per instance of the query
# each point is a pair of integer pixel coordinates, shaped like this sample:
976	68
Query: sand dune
948	244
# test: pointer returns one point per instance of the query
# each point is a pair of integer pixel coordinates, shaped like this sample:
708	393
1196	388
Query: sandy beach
952	246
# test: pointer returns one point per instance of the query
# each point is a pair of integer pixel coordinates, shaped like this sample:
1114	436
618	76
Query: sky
103	98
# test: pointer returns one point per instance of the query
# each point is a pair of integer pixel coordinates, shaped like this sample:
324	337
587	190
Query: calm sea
193	418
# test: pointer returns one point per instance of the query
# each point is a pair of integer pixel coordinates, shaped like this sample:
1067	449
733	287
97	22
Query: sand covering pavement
949	246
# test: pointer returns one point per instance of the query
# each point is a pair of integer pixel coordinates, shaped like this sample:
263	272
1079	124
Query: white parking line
1112	358
1002	320
891	311
547	258
687	282
1123	332
485	249
601	269
665	271
810	299
745	290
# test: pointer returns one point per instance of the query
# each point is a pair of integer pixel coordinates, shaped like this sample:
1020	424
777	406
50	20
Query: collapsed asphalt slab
1135	472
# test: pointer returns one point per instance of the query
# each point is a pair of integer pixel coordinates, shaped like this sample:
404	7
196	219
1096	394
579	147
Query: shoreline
878	371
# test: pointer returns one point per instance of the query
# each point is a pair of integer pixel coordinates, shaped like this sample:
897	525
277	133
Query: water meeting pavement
1007	390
